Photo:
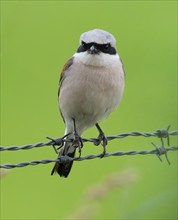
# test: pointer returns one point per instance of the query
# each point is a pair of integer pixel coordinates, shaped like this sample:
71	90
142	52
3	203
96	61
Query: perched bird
91	87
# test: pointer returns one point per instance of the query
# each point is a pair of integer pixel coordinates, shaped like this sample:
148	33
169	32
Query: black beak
93	50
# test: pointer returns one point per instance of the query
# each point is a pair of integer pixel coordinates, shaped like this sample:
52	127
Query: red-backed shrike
91	87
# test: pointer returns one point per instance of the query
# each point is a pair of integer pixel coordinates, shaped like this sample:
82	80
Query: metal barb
158	151
158	154
92	140
164	133
88	157
168	138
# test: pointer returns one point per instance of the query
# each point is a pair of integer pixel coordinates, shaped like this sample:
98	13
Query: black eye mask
105	48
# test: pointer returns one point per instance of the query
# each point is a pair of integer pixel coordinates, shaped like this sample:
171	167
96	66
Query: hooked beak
93	50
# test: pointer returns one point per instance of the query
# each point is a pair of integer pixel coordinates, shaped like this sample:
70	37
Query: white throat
99	60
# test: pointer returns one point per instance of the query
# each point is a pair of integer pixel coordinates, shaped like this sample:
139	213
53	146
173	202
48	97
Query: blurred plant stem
94	196
3	172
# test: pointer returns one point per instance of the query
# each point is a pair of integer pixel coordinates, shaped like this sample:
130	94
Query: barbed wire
158	151
89	157
164	133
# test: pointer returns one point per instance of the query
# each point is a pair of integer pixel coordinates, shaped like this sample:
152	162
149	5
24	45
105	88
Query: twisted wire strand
159	133
158	152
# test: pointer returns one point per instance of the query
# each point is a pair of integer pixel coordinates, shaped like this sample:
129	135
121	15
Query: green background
37	37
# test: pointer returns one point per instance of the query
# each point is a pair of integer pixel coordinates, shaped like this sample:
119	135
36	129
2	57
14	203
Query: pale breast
89	93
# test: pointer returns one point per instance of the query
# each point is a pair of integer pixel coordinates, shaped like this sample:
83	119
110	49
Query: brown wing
62	77
65	68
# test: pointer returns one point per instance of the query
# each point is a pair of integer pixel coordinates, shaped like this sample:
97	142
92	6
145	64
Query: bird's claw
57	142
102	138
78	142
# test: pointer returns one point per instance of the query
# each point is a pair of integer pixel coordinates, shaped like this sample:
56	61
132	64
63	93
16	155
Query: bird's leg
101	138
77	142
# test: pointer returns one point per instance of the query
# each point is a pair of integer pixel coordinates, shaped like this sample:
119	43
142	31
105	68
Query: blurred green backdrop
37	37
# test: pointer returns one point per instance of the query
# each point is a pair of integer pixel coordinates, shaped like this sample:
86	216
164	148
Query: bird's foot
101	138
78	142
58	142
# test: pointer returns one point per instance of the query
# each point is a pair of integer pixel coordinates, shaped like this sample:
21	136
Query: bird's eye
83	44
83	47
106	47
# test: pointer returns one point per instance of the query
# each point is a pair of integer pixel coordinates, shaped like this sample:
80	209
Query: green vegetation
37	37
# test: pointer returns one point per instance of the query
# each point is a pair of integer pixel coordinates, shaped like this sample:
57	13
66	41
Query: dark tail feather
63	169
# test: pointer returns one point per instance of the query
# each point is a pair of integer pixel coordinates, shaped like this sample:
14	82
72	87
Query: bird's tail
63	168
